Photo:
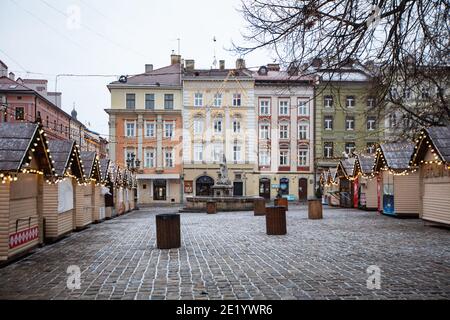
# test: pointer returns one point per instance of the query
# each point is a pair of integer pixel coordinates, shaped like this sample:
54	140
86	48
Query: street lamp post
133	165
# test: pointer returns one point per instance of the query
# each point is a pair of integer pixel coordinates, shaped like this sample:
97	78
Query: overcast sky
114	37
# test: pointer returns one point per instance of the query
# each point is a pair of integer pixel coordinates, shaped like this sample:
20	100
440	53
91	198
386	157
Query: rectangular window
350	102
149	130
264	158
371	102
149	101
328	123
350	123
371	123
218	100
392	120
425	93
264	107
217	152
168	101
236	153
303	131
149	159
168	130
198	100
237	100
370	147
198	126
130	129
283	109
264	131
328	150
328	101
236	126
284	158
20	113
407	94
129	154
284	131
303	108
131	101
168	158
198	152
350	147
218	126
303	157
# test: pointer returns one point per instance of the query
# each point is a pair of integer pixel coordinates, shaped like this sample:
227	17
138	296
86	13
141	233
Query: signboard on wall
19	238
65	196
188	186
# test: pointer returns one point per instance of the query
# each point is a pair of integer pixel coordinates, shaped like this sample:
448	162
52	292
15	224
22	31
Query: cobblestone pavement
229	256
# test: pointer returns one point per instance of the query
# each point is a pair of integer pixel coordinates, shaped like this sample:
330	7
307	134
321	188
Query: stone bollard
282	202
276	221
168	234
211	207
315	209
259	207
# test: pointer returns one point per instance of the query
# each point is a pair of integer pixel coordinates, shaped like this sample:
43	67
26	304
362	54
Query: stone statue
223	173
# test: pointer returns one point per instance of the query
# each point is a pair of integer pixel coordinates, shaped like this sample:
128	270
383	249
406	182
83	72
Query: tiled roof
15	140
61	151
104	168
440	136
397	155
88	158
366	162
169	76
349	166
217	73
274	76
10	85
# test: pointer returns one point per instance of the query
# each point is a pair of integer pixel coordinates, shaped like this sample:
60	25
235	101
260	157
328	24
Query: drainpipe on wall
314	140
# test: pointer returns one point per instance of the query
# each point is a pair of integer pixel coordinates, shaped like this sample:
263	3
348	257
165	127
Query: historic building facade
145	121
219	119
285	121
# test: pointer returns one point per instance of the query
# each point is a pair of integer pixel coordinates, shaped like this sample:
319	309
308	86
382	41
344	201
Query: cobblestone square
229	256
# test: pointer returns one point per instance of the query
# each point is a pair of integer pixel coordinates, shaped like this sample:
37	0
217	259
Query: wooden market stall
368	184
25	165
59	195
432	155
348	198
332	187
398	182
85	193
107	181
118	191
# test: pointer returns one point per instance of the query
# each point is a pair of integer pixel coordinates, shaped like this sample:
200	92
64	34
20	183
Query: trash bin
315	209
282	202
276	220
259	207
168	234
211	207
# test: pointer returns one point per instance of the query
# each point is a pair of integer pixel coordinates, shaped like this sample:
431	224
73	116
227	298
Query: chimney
240	63
3	69
190	65
293	68
222	64
273	67
148	68
175	58
12	76
317	63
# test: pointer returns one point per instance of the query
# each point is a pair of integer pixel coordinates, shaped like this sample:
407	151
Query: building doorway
264	188
160	190
303	190
238	189
203	187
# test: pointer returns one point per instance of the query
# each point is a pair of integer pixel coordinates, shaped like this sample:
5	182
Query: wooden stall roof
346	167
396	155
104	169
16	142
90	164
439	138
62	152
366	162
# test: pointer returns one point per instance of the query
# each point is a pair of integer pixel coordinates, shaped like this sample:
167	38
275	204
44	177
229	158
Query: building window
264	158
303	157
284	158
392	120
168	158
218	126
407	94
20	113
168	101
349	148
283	108
237	153
371	147
303	131
328	150
284	131
328	122
394	93
198	100
131	101
236	126
303	108
198	126
198	152
149	159
328	101
350	123
55	125
425	93
217	152
350	101
218	100
264	107
130	129
150	130
168	130
371	123
150	101
371	102
129	154
264	131
237	100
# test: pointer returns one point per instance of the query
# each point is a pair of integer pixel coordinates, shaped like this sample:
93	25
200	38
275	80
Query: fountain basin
198	204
